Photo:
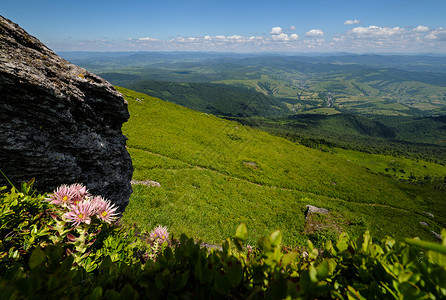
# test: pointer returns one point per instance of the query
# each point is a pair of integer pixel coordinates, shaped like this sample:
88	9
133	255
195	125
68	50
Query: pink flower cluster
81	206
160	234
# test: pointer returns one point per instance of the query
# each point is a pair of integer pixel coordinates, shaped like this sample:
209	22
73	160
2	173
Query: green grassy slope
415	137
216	173
217	99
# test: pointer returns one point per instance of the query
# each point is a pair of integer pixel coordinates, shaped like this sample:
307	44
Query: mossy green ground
215	174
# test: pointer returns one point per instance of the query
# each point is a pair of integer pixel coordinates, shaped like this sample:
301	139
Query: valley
257	138
362	84
214	174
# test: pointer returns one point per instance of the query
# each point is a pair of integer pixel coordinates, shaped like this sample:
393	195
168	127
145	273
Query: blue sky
236	26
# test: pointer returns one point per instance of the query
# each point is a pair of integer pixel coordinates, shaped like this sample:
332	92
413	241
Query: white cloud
276	30
352	22
280	37
376	32
235	37
421	29
438	34
147	39
255	38
314	33
357	39
293	37
315	43
292	27
391	39
283	37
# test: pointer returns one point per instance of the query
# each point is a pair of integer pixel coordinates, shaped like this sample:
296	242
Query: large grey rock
314	209
58	122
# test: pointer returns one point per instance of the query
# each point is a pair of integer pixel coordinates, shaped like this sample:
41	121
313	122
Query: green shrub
124	264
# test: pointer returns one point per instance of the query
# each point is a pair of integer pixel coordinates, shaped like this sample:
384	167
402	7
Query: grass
400	167
216	173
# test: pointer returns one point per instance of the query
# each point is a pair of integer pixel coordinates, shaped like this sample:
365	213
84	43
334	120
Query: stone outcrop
314	209
58	122
148	183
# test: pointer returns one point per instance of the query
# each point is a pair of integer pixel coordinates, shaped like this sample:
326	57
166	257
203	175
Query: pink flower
104	209
159	234
80	192
63	195
81	212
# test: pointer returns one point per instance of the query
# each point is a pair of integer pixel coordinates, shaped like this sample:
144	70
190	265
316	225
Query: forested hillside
218	99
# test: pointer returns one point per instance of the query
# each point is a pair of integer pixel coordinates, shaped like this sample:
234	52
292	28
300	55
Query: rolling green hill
415	137
217	99
214	174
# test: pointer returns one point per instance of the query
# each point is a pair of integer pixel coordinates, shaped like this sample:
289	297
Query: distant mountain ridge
402	85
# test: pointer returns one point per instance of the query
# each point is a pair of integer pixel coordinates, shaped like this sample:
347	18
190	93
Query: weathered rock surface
149	183
58	122
314	209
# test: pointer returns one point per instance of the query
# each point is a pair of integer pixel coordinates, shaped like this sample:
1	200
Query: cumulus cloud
438	34
235	37
278	34
314	33
293	37
276	30
352	22
376	31
421	29
356	39
280	37
283	37
398	39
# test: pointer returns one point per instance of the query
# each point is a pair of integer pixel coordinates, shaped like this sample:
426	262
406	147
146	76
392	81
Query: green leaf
276	238
159	281
427	245
184	279
278	290
264	244
96	294
353	294
54	254
241	232
409	289
325	268
67	264
366	241
222	283
342	243
289	258
198	273
313	274
235	274
437	258
37	257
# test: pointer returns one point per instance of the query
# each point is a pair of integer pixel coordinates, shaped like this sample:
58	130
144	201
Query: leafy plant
70	216
345	269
